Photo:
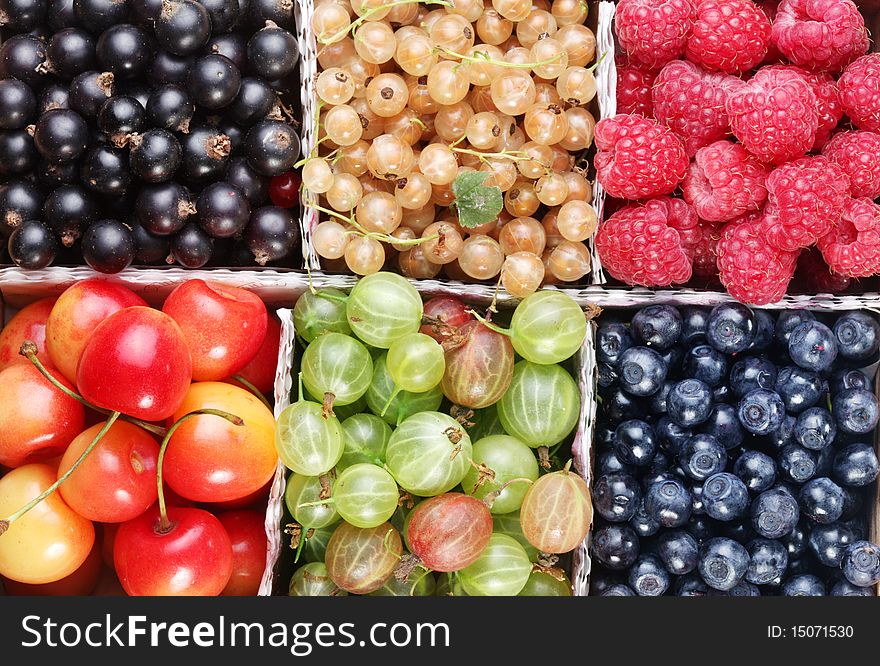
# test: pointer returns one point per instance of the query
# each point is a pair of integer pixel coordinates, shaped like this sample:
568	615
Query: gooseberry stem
484	58
29	351
490	498
5	524
488	324
322	502
253	389
164	523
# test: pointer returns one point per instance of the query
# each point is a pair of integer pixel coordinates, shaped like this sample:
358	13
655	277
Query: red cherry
223	326
449	314
76	314
261	370
284	190
28	324
190	557
37	420
136	362
247	533
81	582
108	540
256	499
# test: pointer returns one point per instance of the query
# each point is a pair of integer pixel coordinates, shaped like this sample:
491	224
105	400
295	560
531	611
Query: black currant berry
53	96
224	14
271	147
17	153
88	92
233	45
170	108
236	133
163	208
119	117
18	104
150	249
68	210
155	155
124	50
145	12
96	16
272	52
61	15
70	52
52	174
170	68
279	12
61	135
213	81
32	245
191	247
137	89
254	186
205	154
20	200
255	100
105	170
183	26
22	15
108	246
223	210
22	58
272	234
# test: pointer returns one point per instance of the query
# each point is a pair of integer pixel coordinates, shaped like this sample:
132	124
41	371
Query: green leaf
477	204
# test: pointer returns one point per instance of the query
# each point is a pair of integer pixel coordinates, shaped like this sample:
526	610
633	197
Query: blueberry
768	560
659	464
723	563
853	500
694	321
616	496
861	564
798	388
697	506
804	585
725	496
774	513
848	378
641	370
739	530
668	503
643	523
789	320
731	328
761	411
672	357
701	456
821	500
724	426
658	326
859	527
796	463
635	443
605	436
815	428
701	527
856	465
706	364
843	588
689	402
691	585
855	411
757	470
764	331
722	393
620	405
741	589
679	551
784	434
611	341
812	346
607	375
829	542
648	577
657	402
796	541
608	461
750	373
671	435
824	461
857	335
617	590
615	546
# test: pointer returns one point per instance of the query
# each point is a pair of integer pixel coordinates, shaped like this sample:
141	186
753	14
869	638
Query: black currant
271	147
170	108
108	246
89	90
61	135
224	14
170	68
191	247
22	57
145	12
70	52
223	210
272	52
119	117
98	15
150	249
20	200
53	96
255	100
61	15
183	26
68	209
163	208
205	154
277	11
213	81
233	45
18	153
22	15
105	170
137	89
236	133
272	234
155	155
32	245
18	104
124	50
53	174
254	186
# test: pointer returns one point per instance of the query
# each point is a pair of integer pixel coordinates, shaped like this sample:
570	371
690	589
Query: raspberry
751	270
774	114
813	276
820	34
634	83
852	247
641	244
638	157
653	32
728	36
805	199
769	8
827	98
857	153
691	103
859	89
705	261
724	182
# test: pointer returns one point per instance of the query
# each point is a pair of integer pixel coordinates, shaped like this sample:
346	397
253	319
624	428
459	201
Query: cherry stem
488	324
164	523
5	524
253	389
29	351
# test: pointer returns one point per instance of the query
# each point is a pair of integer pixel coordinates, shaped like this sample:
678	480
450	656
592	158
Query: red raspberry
751	270
705	261
805	199
827	98
638	157
653	32
813	276
691	103
769	8
774	114
728	36
859	89
820	34
634	83
857	153
852	247
724	182
642	242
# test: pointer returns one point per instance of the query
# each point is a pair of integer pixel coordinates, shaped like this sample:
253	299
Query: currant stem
369	12
361	231
484	58
5	524
164	523
253	389
515	156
